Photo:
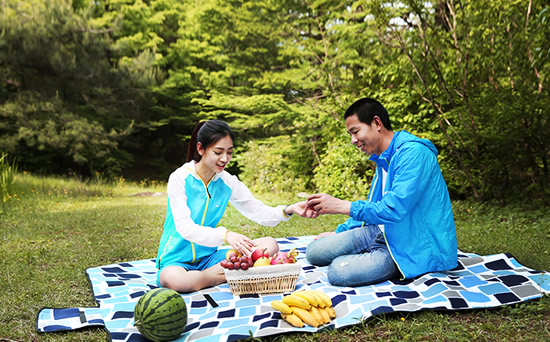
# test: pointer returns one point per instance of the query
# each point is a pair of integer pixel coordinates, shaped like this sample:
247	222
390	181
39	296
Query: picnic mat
216	315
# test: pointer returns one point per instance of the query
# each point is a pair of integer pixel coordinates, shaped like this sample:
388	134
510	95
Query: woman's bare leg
179	279
267	242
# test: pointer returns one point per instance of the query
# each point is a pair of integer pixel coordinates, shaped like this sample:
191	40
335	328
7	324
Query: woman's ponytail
192	153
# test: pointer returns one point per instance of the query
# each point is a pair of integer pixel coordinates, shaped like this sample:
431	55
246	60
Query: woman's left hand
240	243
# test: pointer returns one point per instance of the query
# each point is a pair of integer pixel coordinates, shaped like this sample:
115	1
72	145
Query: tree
133	78
61	108
475	69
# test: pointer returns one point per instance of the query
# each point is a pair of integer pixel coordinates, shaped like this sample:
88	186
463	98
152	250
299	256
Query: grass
56	228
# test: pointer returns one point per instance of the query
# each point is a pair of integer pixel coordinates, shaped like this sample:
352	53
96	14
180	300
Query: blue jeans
355	257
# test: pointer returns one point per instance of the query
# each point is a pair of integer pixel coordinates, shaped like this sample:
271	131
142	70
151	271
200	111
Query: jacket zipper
391	254
375	182
208	196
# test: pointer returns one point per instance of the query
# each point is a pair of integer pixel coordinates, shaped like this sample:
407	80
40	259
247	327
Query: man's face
366	137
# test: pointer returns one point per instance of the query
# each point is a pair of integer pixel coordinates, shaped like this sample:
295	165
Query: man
406	227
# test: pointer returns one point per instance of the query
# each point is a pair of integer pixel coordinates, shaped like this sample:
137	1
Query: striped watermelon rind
160	315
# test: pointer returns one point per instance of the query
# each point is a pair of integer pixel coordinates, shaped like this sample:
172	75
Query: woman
188	258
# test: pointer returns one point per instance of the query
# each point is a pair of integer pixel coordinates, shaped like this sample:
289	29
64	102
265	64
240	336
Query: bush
48	137
344	171
270	165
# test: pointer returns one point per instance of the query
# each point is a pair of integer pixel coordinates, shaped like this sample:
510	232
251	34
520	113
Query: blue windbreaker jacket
415	208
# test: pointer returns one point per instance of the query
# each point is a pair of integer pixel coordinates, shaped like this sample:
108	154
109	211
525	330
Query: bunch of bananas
312	307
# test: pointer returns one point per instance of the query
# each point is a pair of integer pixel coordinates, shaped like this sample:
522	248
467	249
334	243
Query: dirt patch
149	194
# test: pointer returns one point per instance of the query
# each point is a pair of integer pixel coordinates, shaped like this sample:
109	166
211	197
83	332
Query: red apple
258	253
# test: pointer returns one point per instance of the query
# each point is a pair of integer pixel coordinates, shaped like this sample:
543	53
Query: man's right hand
324	234
327	204
301	208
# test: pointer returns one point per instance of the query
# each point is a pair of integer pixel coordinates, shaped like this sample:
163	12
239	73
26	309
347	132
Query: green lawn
54	229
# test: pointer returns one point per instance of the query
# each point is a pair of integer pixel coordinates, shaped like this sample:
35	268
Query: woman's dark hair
207	133
366	109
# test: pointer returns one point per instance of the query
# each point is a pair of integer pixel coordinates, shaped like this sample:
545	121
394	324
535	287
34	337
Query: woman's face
218	155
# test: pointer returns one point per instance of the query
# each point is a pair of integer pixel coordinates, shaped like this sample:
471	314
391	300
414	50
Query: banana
324	314
293	300
318	315
326	299
307	295
293	320
306	316
320	301
282	307
330	311
292	254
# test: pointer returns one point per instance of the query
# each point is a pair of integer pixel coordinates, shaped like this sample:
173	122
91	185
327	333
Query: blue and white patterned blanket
216	315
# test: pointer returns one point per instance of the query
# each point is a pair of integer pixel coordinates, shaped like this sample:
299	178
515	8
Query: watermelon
160	315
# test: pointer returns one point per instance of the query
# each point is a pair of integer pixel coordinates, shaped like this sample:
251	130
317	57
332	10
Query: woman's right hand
240	243
301	209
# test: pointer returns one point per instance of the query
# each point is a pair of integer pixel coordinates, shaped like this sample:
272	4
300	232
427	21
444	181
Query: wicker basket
263	279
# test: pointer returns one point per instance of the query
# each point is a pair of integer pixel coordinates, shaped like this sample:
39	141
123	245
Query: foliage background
114	87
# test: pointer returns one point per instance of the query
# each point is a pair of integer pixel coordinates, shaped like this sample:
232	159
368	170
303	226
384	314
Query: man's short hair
366	109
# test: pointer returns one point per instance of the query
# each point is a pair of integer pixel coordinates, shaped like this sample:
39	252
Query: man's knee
315	254
338	273
354	271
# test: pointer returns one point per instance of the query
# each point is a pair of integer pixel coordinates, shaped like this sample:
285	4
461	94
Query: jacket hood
399	139
191	167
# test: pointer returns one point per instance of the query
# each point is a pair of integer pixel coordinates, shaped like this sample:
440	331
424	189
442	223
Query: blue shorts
202	264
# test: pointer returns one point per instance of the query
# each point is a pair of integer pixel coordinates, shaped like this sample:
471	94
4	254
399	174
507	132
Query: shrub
272	165
344	172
